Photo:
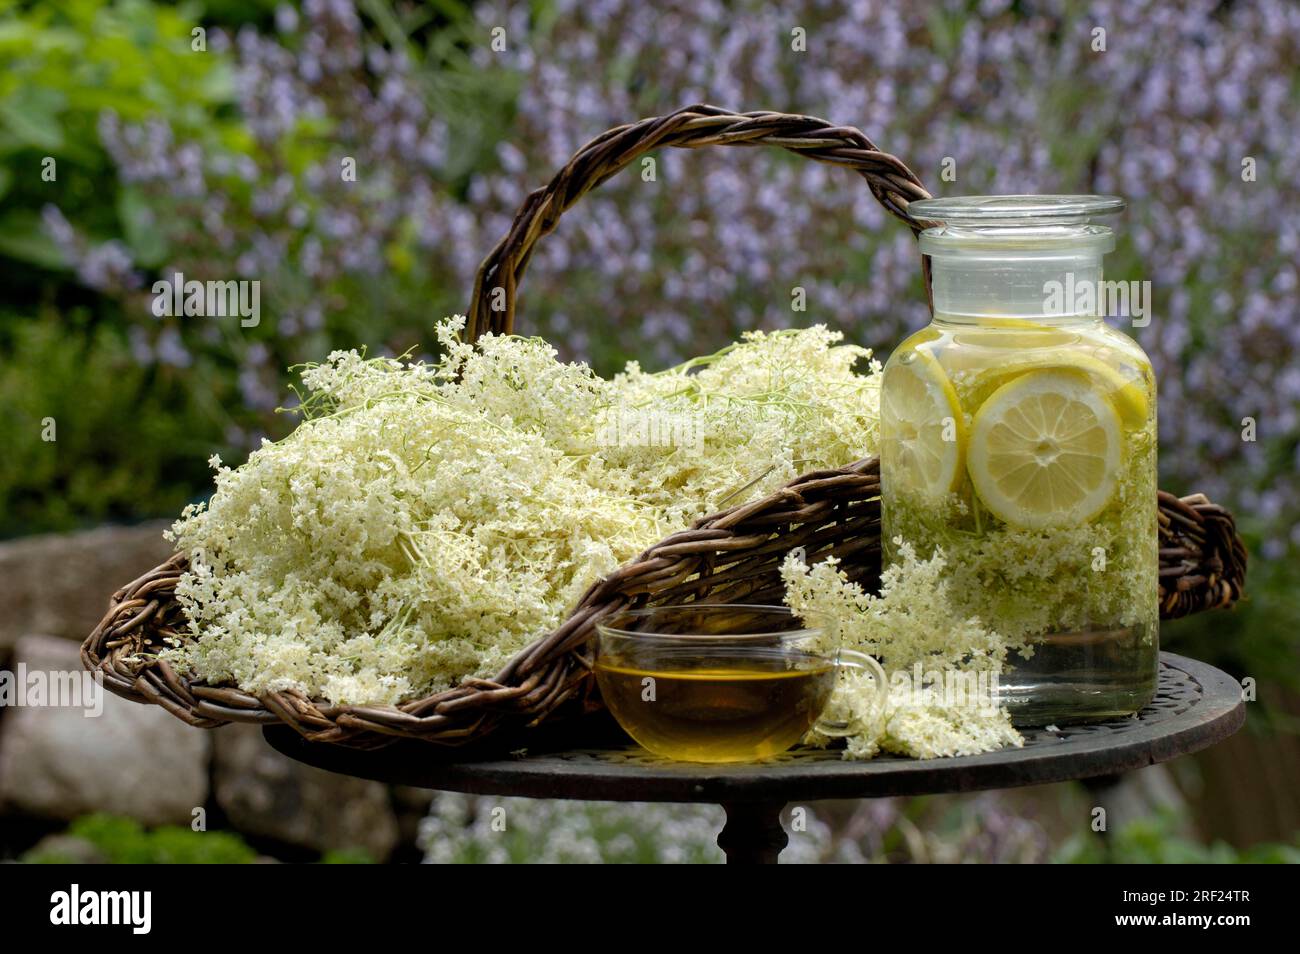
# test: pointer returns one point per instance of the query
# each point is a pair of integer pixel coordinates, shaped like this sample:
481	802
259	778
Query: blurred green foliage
129	441
63	64
124	841
1256	638
1155	840
133	441
346	856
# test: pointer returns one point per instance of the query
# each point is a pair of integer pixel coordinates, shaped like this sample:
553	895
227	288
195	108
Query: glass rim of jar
806	624
1027	241
1014	210
1036	226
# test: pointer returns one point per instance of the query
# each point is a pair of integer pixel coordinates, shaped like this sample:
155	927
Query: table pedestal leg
753	834
1103	788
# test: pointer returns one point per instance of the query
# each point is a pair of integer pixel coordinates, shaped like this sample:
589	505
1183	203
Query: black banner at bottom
361	904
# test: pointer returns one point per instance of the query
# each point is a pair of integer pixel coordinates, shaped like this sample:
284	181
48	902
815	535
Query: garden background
217	154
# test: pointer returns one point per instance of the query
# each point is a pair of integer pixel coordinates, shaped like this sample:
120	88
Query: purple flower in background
1022	102
1182	102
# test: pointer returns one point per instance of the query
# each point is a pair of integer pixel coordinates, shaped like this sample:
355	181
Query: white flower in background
466	829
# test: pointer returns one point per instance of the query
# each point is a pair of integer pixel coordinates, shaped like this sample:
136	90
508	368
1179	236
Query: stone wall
59	584
58	763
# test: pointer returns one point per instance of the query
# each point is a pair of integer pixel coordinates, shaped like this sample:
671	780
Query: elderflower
916	629
426	522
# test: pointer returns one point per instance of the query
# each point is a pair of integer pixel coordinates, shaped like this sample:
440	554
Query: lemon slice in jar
998	349
1045	450
922	427
1126	392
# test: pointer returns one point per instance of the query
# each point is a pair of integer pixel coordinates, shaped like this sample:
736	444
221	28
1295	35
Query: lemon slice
998	349
1045	450
1127	378
923	434
1126	392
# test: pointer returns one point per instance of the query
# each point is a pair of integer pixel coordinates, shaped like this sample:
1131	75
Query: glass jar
1019	437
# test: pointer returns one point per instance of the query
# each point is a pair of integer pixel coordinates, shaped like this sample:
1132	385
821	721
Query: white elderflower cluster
425	522
941	663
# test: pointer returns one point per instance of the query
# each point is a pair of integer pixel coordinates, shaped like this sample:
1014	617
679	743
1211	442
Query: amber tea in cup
718	683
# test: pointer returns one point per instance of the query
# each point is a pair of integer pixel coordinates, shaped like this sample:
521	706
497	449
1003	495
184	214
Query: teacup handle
853	659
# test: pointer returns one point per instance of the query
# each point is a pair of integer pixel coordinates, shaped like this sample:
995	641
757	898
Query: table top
1195	706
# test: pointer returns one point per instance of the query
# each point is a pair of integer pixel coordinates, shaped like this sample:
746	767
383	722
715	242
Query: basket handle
496	284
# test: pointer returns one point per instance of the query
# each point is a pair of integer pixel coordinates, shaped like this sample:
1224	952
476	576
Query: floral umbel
425	522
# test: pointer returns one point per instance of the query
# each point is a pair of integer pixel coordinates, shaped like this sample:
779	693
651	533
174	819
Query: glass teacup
721	682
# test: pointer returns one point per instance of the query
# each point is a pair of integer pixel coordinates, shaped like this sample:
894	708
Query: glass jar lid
993	211
1006	224
998	254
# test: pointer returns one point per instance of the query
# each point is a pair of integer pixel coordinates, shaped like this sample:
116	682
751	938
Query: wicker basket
731	556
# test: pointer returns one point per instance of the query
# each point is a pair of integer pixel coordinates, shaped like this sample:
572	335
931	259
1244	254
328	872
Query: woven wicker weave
731	556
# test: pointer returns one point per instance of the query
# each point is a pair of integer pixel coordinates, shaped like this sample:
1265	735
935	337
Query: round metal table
1196	706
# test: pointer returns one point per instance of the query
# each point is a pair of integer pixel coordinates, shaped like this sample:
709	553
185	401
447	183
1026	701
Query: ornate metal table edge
1196	706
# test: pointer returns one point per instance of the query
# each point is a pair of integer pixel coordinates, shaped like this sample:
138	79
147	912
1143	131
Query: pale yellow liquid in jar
1076	591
